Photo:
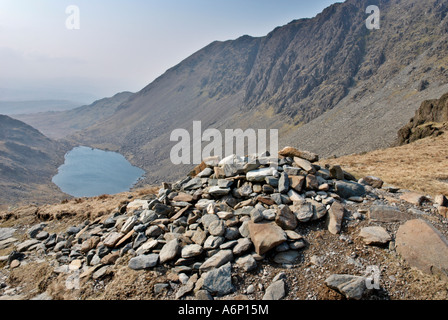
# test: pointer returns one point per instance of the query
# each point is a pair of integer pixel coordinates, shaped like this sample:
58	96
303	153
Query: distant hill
328	84
21	107
28	161
57	125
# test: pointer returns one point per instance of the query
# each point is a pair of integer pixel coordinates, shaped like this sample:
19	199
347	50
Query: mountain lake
91	172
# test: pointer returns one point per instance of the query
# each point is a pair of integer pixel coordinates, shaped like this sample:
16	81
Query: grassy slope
420	166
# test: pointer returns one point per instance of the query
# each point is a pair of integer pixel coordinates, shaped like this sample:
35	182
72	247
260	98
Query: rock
269	214
219	281
147	216
304	212
265	236
243	245
381	213
193	184
352	287
423	247
259	175
169	251
347	189
137	205
375	235
190	251
247	263
441	200
199	236
413	198
6	243
207	219
285	218
335	218
203	295
143	262
244	229
112	239
217	260
90	244
42	235
32	232
372	181
14	264
213	242
293	196
217	228
293	152
275	291
147	247
297	183
24	246
336	172
188	287
73	230
184	197
162	209
218	191
304	164
443	211
286	257
111	258
283	183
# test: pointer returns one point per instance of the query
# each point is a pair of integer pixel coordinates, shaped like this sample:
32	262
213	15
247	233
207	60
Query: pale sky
122	45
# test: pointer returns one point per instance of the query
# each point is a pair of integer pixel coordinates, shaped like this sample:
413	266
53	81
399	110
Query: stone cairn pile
228	213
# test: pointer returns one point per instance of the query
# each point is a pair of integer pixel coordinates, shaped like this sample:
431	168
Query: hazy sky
122	44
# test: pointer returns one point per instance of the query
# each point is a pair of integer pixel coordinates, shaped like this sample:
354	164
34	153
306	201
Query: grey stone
217	228
335	218
217	260
32	232
286	257
143	262
247	262
285	218
283	183
139	240
242	246
73	230
191	250
218	191
219	281
24	246
382	213
347	189
275	291
375	235
213	242
352	287
304	212
169	251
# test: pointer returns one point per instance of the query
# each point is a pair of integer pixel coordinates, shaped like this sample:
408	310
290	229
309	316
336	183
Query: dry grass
421	166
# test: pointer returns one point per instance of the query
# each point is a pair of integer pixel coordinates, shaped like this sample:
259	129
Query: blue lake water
91	172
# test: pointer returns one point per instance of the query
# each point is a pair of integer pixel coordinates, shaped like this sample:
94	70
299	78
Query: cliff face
328	84
429	120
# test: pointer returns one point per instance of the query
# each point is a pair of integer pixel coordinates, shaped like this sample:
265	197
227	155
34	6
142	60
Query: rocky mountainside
239	229
328	84
28	161
59	124
430	120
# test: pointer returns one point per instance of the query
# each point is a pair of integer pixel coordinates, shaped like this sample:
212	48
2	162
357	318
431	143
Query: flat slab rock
423	247
352	287
383	213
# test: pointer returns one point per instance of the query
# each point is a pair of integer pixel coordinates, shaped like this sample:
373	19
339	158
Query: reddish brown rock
90	244
266	236
297	182
293	152
413	198
423	247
